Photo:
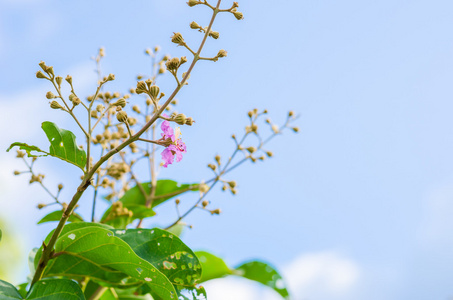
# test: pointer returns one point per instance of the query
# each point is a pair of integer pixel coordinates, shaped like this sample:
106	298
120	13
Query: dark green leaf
28	149
96	253
56	216
8	291
56	289
212	266
22	288
265	274
166	252
63	145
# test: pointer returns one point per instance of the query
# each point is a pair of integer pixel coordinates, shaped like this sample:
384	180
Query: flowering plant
116	256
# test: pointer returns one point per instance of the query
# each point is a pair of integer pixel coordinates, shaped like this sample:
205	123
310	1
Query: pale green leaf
56	216
55	289
8	291
28	149
212	266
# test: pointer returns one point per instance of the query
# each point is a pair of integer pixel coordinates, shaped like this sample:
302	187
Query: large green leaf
8	291
214	267
56	216
135	201
95	252
48	289
62	145
166	252
55	289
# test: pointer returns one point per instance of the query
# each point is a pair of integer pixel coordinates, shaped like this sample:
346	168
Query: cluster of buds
153	91
119	211
174	63
181	119
178	39
48	70
117	170
230	185
36	178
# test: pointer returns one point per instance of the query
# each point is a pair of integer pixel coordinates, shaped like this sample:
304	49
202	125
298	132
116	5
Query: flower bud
214	34
41	75
205	203
40	205
180	119
120	102
55	105
16	173
172	64
76	101
59	80
136	109
69	79
235	4
291	113
194	25
141	87
50	95
100	107
94	114
111	77
222	53
177	38
216	211
154	91
43	66
177	201
238	15
183	60
269	154
60	187
192	3
251	149
232	184
212	167
49	70
189	121
295	129
121	116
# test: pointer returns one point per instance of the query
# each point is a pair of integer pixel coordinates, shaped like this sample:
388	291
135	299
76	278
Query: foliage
115	257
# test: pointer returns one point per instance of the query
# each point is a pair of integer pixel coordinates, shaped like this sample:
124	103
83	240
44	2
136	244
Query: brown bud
94	114
204	203
232	184
189	121
69	79
216	211
60	187
193	3
291	113
40	205
251	149
269	154
212	167
177	201
16	173
295	129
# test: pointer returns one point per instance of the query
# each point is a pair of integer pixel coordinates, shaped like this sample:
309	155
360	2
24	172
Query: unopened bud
194	25
43	65
214	34
183	60
212	167
120	102
203	188
204	203
111	77
189	121
269	153
60	187
55	105
49	71
180	119
94	114
216	211
295	129
41	75
232	184
251	149
69	79
121	116
50	95
291	113
172	64
177	38
177	201
193	3
100	107
141	87
154	91
238	15
16	173
59	80
40	205
222	53
136	109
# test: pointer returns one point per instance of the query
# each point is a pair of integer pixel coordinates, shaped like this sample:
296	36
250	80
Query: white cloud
321	275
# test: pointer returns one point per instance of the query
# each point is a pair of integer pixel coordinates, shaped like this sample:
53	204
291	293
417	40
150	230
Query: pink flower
176	145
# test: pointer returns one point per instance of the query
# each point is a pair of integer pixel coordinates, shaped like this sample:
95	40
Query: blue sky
356	206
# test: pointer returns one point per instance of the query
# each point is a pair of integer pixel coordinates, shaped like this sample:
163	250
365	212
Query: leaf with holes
56	216
166	252
48	289
214	267
62	145
95	252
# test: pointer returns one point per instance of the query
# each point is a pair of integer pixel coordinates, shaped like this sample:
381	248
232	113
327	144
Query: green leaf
56	216
265	274
1	235
212	266
28	149
134	201
67	228
166	252
95	252
63	145
8	291
56	289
